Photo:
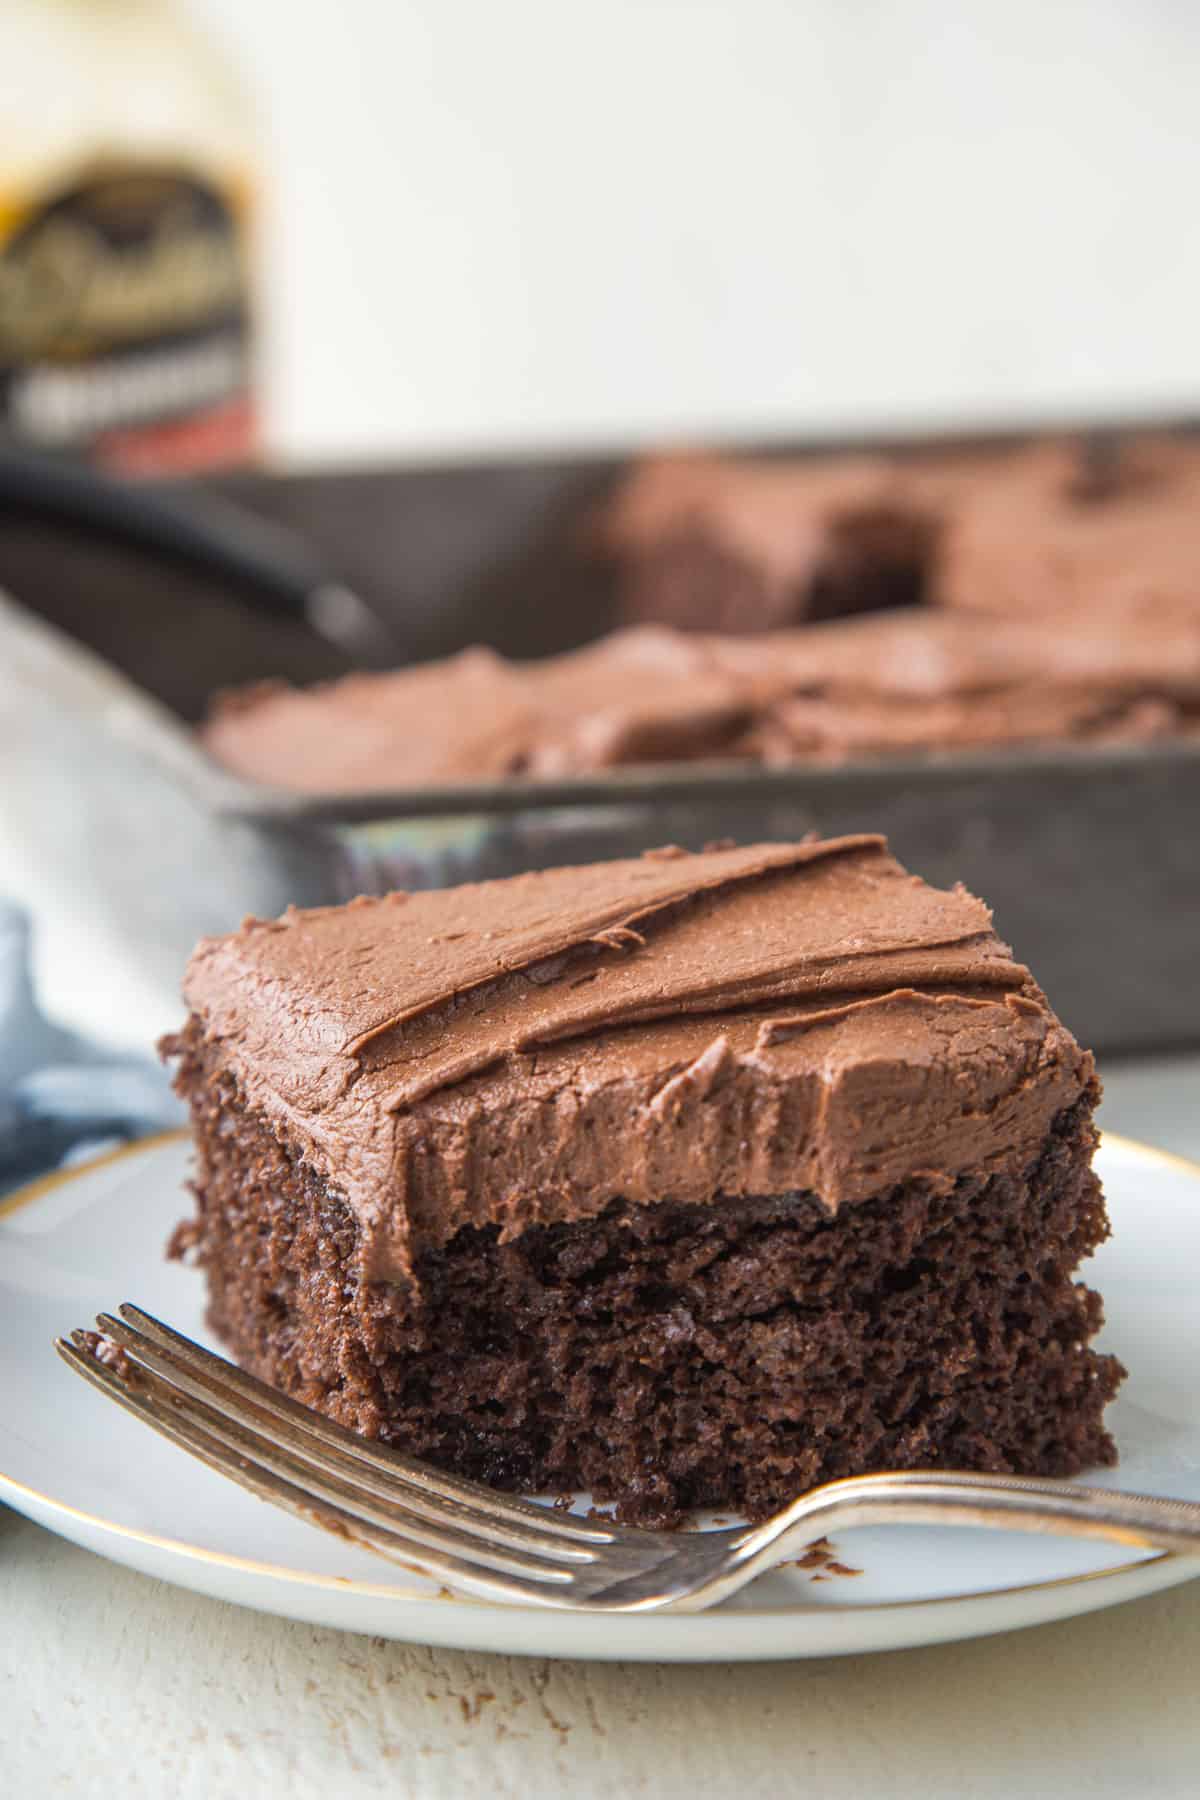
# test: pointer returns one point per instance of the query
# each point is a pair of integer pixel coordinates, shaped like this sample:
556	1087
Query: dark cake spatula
275	567
483	1542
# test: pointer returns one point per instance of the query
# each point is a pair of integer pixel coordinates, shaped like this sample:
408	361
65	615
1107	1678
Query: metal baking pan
1091	859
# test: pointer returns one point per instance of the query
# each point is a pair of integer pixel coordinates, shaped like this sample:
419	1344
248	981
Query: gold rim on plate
45	1184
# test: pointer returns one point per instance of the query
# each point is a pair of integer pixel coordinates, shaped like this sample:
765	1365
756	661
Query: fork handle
1005	1503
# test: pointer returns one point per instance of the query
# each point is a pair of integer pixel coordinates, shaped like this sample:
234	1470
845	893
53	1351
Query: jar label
125	325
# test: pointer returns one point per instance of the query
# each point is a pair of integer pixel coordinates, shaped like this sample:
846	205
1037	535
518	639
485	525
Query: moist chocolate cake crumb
817	1556
670	1358
107	1352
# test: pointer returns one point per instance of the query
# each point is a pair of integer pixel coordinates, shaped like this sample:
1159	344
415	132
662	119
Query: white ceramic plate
78	1244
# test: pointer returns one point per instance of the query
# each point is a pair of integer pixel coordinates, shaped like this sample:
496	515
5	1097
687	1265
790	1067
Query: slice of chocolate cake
690	1180
1094	527
709	543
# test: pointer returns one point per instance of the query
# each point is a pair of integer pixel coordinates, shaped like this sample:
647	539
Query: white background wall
504	222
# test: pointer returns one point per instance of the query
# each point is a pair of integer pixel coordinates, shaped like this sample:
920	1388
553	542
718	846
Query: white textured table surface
113	1683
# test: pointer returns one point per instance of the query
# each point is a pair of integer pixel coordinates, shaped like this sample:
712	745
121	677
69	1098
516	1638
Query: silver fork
472	1539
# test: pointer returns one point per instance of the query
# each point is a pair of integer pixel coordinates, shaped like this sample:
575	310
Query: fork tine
382	1460
236	1453
354	1475
291	1464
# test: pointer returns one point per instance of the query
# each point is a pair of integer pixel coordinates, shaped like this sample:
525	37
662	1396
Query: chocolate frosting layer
894	682
641	696
1101	531
676	1027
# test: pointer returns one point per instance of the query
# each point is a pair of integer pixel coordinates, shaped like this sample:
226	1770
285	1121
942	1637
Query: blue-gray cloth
63	1099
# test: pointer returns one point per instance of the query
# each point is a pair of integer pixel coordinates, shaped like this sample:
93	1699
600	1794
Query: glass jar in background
128	176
